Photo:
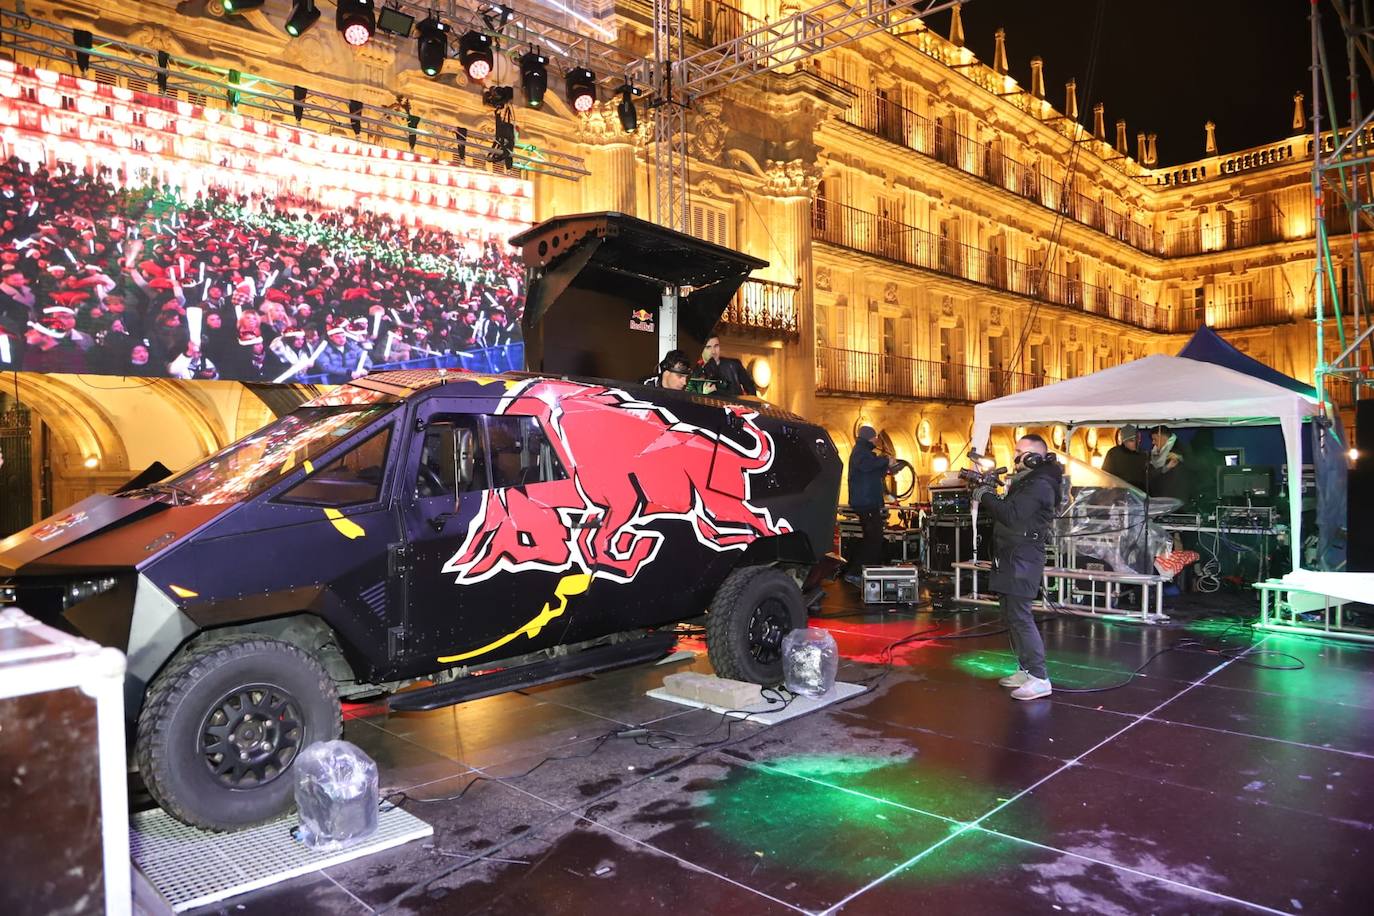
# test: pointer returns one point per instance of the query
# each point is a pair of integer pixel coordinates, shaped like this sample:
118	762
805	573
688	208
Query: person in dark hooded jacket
1021	528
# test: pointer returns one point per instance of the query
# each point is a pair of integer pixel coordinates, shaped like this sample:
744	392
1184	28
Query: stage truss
1343	196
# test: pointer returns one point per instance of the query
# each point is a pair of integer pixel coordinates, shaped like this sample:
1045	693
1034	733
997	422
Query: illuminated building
926	250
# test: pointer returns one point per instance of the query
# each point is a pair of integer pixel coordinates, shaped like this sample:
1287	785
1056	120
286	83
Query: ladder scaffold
1343	194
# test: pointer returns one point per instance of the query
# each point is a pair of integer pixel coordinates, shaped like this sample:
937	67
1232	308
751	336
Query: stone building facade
936	233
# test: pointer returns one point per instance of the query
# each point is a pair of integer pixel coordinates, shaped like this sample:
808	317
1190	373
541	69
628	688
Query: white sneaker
1015	680
1033	689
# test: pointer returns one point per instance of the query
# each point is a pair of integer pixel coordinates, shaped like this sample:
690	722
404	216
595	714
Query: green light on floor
985	664
1070	669
850	816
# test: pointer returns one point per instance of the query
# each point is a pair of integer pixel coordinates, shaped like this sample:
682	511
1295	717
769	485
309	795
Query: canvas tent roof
1208	346
1160	389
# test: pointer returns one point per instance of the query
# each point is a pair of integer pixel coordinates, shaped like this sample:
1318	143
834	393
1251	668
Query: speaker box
951	541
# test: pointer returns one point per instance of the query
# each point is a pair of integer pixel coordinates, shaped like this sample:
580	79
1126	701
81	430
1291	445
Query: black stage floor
1209	784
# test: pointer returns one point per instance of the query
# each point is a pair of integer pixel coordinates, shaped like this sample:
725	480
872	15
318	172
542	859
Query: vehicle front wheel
753	610
222	724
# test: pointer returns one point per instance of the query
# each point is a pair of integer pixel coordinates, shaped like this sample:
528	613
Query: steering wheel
891	483
430	483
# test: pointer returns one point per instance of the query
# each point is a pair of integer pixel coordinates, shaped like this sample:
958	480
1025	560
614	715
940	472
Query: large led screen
148	236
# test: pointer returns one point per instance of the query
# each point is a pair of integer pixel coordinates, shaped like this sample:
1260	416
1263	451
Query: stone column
610	157
786	205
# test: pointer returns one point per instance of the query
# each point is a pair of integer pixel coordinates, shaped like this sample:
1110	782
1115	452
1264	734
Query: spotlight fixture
502	149
534	77
474	52
497	96
431	45
496	16
580	89
304	14
395	20
629	118
241	6
82	38
357	20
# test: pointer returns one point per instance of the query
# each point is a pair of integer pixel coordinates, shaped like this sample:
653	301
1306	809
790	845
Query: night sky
1166	66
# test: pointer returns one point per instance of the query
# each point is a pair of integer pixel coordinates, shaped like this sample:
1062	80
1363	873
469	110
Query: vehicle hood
102	532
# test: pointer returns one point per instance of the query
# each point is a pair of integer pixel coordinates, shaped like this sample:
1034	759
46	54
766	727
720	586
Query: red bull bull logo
633	466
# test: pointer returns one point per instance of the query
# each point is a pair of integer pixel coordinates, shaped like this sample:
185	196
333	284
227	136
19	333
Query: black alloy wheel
223	723
251	735
752	611
767	626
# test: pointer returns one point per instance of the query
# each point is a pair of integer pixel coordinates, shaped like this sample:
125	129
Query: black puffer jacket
1021	527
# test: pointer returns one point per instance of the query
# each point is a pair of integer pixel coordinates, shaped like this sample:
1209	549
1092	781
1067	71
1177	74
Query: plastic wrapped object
336	791
810	661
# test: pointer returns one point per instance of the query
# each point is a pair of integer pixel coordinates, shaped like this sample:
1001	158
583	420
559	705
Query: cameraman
866	471
1021	527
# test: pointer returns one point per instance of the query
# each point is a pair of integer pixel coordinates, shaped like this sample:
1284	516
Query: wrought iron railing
871	233
763	306
1228	234
874	113
1249	314
840	371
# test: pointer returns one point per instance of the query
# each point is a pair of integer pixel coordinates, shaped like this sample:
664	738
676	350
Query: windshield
256	462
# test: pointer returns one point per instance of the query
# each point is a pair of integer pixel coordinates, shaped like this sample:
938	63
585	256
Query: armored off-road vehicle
411	531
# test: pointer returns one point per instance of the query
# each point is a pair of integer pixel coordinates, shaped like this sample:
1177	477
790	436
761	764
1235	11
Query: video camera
984	472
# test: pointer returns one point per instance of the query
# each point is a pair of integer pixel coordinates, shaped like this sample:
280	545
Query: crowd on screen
100	276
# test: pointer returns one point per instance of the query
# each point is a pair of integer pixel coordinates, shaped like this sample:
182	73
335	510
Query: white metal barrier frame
1277	616
1058	582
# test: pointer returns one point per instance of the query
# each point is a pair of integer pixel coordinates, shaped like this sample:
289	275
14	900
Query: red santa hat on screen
61	309
249	339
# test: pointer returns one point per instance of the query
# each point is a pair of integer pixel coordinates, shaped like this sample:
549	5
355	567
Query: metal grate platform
760	712
191	867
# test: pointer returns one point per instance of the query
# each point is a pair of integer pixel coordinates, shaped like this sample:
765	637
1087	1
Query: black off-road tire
751	612
222	673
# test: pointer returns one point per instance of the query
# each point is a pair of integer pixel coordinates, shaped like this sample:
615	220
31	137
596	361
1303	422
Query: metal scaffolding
1342	152
785	42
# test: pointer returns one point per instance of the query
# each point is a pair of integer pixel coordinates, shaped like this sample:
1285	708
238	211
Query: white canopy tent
1162	389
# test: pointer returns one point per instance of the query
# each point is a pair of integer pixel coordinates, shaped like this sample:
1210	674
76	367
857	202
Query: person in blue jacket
867	469
342	360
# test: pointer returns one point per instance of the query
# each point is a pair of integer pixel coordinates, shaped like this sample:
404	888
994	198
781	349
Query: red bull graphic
648	467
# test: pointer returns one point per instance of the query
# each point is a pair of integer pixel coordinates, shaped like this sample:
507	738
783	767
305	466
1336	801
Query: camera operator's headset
1035	459
666	365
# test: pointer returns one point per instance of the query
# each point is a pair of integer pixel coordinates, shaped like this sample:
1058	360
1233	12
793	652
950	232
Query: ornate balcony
764	308
854	372
858	230
1251	314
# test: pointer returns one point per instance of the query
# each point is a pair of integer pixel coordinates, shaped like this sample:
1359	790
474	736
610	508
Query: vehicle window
521	453
353	478
263	458
452	459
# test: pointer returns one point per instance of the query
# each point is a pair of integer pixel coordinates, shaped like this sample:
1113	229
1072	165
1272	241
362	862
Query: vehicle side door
485	545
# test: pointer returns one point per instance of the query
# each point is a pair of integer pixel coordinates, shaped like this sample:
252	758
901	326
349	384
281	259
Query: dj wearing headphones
1021	529
673	372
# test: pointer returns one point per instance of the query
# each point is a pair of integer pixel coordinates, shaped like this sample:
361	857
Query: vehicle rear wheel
753	610
223	723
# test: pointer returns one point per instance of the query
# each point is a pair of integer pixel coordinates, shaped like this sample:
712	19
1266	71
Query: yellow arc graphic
347	527
568	586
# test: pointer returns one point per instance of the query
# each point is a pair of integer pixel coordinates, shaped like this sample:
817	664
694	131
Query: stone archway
85	451
81	428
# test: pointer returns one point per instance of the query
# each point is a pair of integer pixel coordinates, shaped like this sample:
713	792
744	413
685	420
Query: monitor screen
174	237
1245	481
